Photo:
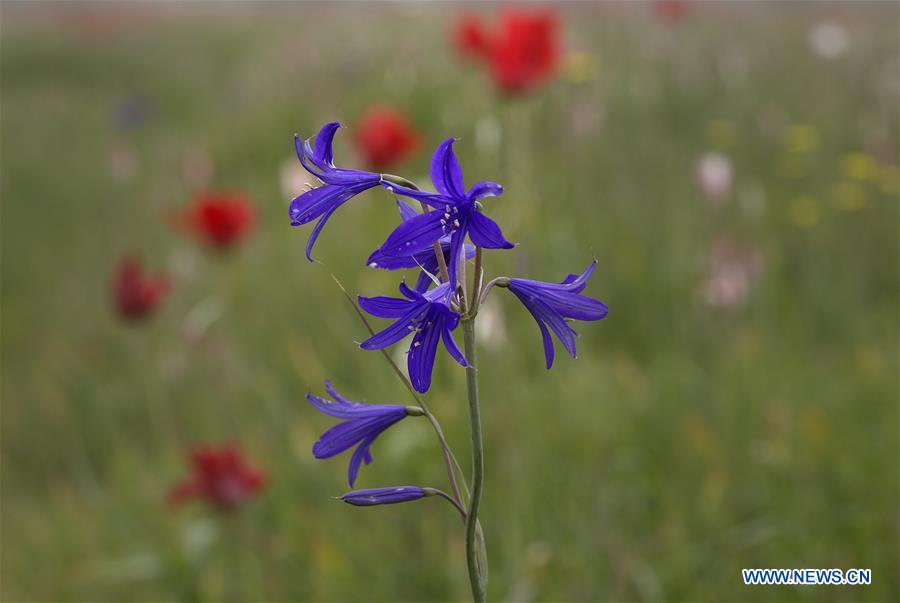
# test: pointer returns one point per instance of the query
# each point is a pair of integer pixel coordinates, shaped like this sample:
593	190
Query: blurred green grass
685	443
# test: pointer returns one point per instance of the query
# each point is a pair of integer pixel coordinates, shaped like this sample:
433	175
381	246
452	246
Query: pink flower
733	272
670	10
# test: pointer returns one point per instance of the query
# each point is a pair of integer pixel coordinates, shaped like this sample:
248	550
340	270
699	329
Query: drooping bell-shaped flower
339	184
425	259
553	304
457	213
362	425
425	316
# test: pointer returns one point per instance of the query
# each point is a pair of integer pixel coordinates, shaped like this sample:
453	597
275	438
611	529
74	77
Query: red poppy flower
470	37
220	219
526	51
221	477
523	51
136	294
384	137
671	10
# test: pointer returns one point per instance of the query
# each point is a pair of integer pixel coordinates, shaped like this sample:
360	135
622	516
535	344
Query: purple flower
553	304
457	213
363	424
424	259
383	496
427	317
340	185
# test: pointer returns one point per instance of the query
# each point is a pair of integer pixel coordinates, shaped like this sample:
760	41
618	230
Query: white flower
293	178
714	177
829	40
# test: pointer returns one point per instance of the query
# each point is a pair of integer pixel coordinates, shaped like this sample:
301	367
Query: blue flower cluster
434	242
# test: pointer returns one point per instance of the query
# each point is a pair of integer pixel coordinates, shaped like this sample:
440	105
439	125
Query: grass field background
688	440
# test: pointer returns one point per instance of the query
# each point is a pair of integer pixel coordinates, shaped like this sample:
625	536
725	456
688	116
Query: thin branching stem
477	281
500	281
449	458
459	507
475	560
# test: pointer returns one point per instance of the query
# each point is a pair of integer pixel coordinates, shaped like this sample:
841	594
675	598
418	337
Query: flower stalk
475	559
441	301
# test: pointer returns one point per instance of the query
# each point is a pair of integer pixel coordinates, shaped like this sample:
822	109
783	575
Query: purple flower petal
445	171
408	293
363	424
549	351
484	232
456	245
312	204
301	147
557	324
359	455
420	360
322	151
383	496
485	189
414	235
385	307
392	334
407	211
334	409
552	303
317	229
451	346
431	199
344	435
424	281
579	282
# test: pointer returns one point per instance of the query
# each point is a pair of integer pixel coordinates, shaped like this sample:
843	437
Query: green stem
233	547
475	558
445	496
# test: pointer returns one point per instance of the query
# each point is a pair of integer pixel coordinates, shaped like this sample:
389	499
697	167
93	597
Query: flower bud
383	496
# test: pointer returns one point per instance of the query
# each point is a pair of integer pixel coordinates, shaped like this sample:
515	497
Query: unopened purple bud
383	496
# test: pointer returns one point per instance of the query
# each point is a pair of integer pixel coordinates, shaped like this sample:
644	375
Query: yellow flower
804	211
870	362
849	196
580	67
720	133
801	138
859	166
889	176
